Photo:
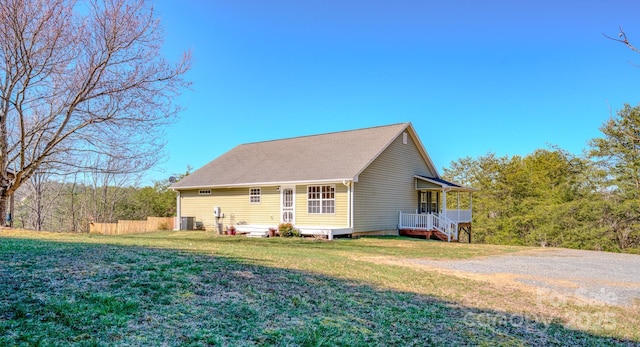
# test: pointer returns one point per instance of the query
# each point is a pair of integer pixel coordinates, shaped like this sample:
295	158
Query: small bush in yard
288	230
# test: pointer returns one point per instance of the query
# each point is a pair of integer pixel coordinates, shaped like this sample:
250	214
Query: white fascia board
268	184
445	186
371	160
422	149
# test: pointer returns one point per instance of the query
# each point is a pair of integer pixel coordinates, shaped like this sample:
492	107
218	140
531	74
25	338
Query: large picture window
321	199
254	195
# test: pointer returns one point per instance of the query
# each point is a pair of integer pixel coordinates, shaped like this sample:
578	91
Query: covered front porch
434	215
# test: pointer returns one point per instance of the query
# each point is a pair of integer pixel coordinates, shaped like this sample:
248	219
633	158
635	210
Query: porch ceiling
438	184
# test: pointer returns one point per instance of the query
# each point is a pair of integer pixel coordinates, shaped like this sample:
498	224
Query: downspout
349	185
177	225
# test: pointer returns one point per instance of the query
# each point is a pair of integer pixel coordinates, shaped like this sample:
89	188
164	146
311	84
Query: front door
287	204
428	202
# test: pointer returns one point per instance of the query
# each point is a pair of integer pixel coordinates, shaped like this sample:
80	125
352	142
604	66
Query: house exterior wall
337	219
237	209
387	186
234	204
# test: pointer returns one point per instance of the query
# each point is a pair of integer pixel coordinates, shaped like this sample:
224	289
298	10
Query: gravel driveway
608	278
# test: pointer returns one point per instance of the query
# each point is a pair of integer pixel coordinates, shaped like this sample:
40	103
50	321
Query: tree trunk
4	198
74	227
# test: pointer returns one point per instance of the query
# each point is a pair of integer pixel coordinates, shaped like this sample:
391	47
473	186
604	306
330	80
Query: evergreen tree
617	154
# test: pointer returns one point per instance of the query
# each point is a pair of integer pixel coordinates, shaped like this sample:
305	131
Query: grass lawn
192	288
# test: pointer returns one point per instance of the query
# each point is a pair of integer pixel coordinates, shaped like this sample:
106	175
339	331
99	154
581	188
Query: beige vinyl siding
427	185
337	219
387	186
234	203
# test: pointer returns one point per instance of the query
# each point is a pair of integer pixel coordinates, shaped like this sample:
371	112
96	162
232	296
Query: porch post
458	196
444	202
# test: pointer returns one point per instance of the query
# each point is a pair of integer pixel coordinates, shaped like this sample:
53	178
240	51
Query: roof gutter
266	184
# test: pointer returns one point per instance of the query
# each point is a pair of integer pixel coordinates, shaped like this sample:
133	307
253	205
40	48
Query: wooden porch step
426	233
443	237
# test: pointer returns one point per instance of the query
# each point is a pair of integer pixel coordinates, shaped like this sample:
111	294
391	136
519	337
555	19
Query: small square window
254	195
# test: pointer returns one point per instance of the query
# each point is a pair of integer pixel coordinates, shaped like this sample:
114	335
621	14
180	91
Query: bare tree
79	80
42	194
107	187
37	185
622	38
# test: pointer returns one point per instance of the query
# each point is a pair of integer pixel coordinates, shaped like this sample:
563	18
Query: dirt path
606	278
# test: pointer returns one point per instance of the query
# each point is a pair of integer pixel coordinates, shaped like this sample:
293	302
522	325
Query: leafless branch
622	38
74	86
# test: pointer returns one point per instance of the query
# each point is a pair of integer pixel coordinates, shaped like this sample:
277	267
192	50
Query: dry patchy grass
178	288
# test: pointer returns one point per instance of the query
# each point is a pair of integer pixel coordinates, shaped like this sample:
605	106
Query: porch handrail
428	222
460	216
446	226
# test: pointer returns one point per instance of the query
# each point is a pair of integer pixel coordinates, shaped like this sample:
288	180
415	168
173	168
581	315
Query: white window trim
333	186
204	192
252	195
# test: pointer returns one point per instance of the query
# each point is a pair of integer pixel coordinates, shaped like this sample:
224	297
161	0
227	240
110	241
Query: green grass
177	288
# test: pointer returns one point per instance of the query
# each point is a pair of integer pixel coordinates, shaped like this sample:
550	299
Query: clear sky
472	76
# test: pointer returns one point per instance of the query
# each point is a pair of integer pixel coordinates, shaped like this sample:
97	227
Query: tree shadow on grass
342	244
86	294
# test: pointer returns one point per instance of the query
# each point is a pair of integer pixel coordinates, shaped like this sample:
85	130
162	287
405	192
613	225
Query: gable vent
404	138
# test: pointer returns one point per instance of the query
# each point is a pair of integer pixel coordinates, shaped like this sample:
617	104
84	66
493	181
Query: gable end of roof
336	156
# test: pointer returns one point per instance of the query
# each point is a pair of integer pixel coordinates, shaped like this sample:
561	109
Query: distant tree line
548	198
554	198
70	204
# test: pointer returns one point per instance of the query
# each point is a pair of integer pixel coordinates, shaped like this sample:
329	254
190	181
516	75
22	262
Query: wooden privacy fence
103	228
132	226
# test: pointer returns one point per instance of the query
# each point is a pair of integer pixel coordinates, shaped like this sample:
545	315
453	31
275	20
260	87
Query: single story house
377	180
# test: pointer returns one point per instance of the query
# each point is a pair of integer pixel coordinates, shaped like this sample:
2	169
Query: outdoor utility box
186	223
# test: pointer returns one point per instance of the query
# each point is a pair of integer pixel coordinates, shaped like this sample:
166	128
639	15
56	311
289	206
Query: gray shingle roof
445	184
324	157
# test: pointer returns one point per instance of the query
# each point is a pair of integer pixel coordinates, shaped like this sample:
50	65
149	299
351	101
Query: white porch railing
429	222
460	216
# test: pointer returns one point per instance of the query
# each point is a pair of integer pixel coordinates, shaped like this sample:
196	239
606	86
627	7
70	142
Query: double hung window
321	199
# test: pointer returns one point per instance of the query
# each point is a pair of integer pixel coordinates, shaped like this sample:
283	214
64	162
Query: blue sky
472	76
